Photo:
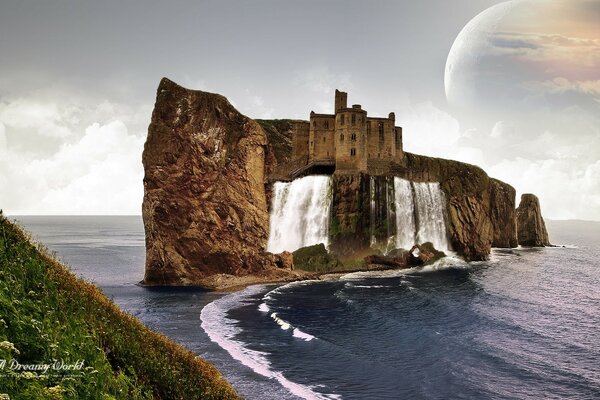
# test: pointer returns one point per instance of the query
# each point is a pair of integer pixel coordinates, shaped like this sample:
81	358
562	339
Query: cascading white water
372	195
300	213
426	202
405	214
430	203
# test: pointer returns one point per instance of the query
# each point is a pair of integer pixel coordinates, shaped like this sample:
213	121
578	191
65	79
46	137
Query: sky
78	82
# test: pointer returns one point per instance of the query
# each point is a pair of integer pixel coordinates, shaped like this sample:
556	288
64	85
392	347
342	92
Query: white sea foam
222	330
284	324
302	335
352	285
452	261
279	289
263	307
356	276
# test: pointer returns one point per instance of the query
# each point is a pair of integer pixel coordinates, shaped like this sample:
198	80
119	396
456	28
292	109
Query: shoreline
226	283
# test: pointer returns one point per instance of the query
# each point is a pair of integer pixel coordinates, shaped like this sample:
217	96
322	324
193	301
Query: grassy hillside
47	314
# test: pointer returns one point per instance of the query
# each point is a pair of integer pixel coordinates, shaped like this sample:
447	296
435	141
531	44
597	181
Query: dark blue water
523	326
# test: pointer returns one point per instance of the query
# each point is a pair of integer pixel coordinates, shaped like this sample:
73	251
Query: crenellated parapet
349	137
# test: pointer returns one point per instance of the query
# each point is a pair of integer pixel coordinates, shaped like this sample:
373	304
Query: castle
347	141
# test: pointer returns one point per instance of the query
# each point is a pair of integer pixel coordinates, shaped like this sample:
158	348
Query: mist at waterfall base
521	326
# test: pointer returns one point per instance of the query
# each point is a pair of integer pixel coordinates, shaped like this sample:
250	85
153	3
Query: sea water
522	326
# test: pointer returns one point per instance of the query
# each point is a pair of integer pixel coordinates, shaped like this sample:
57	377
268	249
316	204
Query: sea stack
204	208
531	228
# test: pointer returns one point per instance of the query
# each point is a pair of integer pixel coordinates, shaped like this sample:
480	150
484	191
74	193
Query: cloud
562	85
428	130
566	190
99	174
255	106
2	138
45	118
561	169
550	55
322	80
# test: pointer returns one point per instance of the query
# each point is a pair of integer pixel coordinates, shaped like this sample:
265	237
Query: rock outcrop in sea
205	209
531	227
207	198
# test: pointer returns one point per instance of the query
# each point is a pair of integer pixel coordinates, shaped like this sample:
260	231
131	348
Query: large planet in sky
526	55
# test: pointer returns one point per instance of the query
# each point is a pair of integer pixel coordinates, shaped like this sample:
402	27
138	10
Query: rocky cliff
204	207
530	224
206	196
503	214
480	209
350	219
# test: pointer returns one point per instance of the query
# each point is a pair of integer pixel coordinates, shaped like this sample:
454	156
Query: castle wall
351	140
300	138
349	137
399	144
321	137
341	100
381	135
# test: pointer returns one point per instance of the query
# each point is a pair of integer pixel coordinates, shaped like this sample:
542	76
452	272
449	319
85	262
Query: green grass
47	313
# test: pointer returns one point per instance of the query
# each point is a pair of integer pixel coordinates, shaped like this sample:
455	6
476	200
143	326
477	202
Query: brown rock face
503	214
468	195
530	224
480	210
350	220
204	208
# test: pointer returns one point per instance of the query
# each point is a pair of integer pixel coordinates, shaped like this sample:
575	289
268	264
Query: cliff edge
481	210
206	197
204	208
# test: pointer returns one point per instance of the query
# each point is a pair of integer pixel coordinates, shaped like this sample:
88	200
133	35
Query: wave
445	263
303	335
263	307
280	289
352	286
451	261
284	324
222	331
297	333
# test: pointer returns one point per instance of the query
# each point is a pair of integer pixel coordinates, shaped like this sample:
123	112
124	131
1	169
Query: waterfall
373	215
405	214
420	214
300	213
382	212
430	205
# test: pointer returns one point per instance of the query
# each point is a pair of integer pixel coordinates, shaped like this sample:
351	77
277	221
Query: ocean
524	325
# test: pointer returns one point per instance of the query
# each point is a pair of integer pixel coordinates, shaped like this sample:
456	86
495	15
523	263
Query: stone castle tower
348	140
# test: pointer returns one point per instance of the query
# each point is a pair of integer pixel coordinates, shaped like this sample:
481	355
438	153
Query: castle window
314	124
352	152
326	124
381	137
342	119
324	139
354	137
341	137
353	119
